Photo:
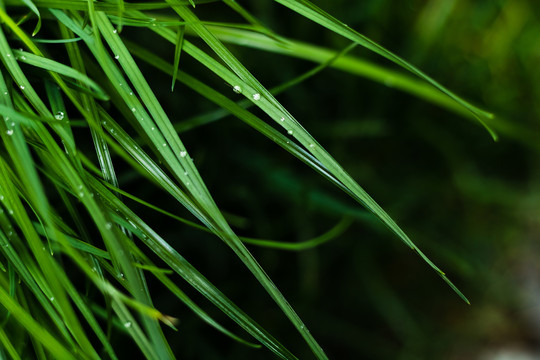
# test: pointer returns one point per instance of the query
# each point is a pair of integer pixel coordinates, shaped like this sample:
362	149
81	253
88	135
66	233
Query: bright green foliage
66	226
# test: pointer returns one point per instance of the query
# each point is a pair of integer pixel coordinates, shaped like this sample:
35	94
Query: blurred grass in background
470	203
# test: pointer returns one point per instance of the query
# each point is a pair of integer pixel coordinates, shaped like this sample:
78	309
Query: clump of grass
76	103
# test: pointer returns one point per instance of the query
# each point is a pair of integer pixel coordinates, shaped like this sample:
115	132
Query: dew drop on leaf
59	115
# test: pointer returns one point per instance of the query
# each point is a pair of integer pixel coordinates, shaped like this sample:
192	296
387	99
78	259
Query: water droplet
117	57
237	89
23	57
115	31
256	96
290	132
10	212
81	194
187	184
152	128
51	298
59	115
108	226
164	145
185	173
8	55
22	87
133	109
131	93
282	119
5	93
183	153
1	197
9	132
127	324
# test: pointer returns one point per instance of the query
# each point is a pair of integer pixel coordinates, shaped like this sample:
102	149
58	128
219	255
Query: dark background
468	202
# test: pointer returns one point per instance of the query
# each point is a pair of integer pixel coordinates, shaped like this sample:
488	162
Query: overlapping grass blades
312	12
37	122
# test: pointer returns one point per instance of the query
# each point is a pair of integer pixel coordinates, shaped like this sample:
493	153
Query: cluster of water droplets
80	191
256	97
290	131
10	125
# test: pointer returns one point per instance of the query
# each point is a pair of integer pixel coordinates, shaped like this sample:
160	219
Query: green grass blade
35	10
336	231
50	65
177	52
315	14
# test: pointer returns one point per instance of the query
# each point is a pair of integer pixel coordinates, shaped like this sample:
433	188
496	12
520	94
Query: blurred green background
470	203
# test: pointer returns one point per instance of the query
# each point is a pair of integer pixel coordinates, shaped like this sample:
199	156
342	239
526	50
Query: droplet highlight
59	115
